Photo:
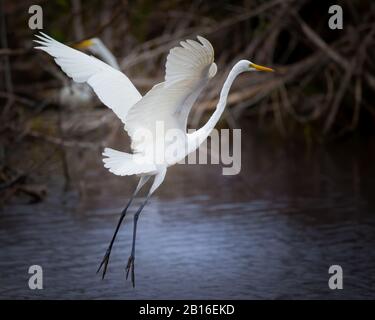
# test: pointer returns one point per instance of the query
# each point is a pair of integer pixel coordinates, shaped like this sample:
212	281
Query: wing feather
112	87
188	70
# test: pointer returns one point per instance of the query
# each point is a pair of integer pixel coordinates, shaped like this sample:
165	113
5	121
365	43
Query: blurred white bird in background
188	70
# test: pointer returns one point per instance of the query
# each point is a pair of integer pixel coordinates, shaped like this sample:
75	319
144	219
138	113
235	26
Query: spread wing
112	87
188	69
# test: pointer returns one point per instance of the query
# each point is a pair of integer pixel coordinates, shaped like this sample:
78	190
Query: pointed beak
261	68
83	44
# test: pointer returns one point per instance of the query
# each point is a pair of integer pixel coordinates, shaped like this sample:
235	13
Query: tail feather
124	164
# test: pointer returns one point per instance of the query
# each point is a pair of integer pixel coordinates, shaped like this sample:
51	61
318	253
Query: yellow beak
83	44
260	68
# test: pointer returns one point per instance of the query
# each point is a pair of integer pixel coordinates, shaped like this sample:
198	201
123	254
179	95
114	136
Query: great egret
189	67
78	94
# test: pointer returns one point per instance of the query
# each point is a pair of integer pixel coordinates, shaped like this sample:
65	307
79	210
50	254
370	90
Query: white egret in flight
188	69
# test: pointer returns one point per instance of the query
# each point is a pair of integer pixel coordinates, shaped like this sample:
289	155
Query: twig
77	19
65	163
117	13
340	94
66	143
17	98
7	74
320	43
191	32
357	104
12	52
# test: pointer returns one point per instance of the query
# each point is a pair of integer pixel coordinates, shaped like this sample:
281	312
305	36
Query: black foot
130	266
104	263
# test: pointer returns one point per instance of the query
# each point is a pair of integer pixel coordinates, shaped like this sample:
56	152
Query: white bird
80	94
188	69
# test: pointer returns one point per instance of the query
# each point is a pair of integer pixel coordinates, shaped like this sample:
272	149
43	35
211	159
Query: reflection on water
271	232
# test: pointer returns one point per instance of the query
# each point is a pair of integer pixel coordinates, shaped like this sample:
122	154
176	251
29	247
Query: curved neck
108	57
204	132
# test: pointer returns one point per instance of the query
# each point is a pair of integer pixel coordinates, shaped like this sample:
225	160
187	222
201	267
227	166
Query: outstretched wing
112	87
188	70
191	61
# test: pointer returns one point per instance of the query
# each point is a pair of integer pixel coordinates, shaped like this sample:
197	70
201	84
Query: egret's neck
108	57
205	131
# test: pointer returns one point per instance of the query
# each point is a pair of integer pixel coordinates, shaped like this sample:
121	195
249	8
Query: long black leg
105	260
131	260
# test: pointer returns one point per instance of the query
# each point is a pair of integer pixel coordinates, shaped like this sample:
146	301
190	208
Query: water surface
270	232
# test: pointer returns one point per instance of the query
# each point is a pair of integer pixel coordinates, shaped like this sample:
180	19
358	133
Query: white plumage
188	69
124	164
187	73
112	87
189	62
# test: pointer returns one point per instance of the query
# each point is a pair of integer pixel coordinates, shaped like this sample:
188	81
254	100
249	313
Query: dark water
271	232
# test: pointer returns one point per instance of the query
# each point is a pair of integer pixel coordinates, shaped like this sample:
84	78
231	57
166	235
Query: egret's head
247	65
94	45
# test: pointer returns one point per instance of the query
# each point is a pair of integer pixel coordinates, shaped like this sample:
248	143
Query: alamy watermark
336	21
36	280
336	281
36	18
161	146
